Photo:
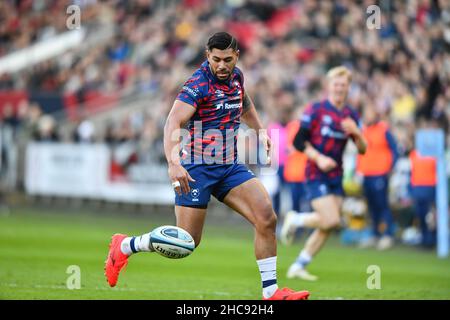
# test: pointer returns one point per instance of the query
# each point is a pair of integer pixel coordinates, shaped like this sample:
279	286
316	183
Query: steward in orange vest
375	165
294	169
423	170
381	151
423	191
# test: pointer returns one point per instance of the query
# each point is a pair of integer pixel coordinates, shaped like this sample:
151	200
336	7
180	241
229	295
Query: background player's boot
116	260
385	243
287	233
368	243
297	271
288	294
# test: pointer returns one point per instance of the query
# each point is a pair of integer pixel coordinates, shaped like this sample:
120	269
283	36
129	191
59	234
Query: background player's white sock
268	270
132	245
299	219
304	258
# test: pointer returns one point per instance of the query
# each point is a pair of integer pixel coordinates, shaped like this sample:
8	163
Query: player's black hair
222	41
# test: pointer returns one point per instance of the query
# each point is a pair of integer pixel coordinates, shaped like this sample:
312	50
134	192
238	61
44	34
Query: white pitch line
41	286
201	293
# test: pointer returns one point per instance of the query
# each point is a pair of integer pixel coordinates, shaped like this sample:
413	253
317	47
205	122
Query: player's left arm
351	128
250	117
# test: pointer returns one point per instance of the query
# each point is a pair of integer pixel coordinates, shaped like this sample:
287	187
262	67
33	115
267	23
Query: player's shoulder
350	110
314	106
198	76
239	74
309	113
198	82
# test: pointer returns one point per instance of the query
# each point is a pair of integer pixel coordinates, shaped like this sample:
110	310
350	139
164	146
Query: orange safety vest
423	170
294	167
378	157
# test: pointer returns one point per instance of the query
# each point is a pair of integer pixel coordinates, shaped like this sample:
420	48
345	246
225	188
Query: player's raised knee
265	216
331	223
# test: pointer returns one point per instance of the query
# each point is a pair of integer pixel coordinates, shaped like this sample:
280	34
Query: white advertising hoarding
66	169
83	170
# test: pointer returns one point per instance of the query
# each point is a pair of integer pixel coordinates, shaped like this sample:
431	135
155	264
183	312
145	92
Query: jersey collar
332	106
207	68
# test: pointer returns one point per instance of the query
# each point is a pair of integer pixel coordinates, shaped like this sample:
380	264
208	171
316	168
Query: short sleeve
190	93
355	116
307	118
240	75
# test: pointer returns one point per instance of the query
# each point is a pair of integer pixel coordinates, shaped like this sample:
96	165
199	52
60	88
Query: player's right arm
302	143
181	113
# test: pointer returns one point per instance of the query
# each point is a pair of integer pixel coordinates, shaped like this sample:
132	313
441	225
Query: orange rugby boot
288	294
116	260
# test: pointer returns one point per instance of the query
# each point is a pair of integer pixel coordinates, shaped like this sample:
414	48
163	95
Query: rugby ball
172	242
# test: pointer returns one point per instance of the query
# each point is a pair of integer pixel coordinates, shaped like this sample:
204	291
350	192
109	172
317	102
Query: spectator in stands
85	132
46	130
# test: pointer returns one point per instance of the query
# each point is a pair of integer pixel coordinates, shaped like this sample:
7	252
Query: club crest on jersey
327	119
219	94
238	86
306	118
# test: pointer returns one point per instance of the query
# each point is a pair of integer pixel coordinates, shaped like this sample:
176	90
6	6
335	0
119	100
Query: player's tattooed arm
249	114
250	117
246	103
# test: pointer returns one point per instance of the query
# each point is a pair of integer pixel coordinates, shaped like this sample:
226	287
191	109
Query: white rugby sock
299	219
268	270
304	258
132	245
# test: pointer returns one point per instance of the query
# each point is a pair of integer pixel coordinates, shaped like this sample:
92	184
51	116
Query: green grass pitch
36	248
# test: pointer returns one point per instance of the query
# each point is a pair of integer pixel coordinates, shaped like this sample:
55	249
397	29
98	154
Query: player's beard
223	75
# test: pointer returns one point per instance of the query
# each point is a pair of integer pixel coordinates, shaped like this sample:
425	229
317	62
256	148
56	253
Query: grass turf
36	248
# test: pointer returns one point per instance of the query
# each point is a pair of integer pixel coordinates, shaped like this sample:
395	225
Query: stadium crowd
286	47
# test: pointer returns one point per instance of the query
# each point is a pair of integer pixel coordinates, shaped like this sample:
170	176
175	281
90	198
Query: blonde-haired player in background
326	126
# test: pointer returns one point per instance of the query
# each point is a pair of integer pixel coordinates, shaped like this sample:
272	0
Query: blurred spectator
85	132
46	130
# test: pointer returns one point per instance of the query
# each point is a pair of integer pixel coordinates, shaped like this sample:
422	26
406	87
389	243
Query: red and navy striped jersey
214	126
323	120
